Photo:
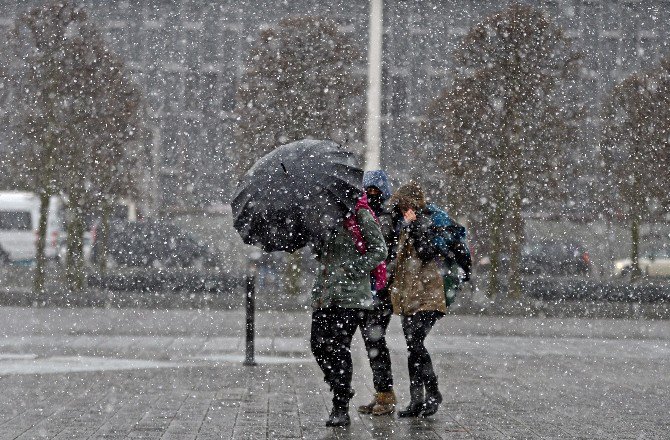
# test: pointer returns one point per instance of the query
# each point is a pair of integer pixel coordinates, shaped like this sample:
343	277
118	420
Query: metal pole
250	306
374	99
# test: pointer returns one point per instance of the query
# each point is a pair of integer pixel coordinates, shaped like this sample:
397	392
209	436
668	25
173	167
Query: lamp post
373	123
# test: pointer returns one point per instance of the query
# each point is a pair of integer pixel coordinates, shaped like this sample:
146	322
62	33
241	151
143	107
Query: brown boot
367	409
384	403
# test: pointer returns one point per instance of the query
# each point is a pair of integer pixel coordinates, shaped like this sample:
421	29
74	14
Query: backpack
448	240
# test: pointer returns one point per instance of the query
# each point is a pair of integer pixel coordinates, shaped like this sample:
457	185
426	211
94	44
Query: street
178	374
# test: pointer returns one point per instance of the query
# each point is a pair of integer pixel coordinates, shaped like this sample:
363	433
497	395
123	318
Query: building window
209	92
192	89
191	47
156	47
629	60
435	86
122	11
611	17
228	89
118	40
170	190
192	140
156	10
172	90
171	148
647	51
228	48
173	38
609	55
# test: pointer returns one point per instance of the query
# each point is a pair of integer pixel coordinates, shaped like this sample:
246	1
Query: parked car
655	263
4	258
556	257
548	257
87	247
19	221
153	243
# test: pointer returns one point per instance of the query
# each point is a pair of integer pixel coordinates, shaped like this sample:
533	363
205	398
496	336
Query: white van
19	221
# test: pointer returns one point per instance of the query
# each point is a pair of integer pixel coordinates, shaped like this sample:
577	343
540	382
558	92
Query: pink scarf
379	273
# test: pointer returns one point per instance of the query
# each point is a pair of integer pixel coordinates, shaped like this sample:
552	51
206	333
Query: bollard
250	306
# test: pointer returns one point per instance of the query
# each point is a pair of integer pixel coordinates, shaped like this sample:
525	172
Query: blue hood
379	180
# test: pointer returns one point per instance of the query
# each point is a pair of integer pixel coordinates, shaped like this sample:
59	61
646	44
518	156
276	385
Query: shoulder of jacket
364	215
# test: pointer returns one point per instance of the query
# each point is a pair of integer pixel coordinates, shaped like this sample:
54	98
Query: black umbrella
296	194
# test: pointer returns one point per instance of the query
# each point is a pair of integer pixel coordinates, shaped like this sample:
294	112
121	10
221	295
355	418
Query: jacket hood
379	180
410	195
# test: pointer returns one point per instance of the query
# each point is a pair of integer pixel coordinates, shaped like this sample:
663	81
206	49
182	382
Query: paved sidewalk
150	374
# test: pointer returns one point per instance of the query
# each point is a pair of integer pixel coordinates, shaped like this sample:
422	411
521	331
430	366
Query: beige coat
417	286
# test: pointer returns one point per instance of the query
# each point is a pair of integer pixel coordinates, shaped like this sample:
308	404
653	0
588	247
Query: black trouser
332	330
374	336
416	328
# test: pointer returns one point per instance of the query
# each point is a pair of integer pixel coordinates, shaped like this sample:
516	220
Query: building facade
189	55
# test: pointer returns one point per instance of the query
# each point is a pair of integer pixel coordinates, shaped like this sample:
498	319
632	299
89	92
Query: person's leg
378	352
411	328
374	337
426	321
321	342
344	325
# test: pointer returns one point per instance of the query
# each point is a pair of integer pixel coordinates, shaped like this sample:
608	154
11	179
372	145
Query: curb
234	299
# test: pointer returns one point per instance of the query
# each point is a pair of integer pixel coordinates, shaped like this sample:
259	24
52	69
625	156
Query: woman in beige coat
417	294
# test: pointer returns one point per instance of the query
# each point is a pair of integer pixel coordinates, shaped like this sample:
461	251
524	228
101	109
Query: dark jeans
416	328
374	336
332	330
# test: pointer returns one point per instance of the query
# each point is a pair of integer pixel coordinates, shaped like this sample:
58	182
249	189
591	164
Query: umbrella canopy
296	194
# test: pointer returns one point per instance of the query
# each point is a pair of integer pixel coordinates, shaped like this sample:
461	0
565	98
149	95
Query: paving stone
518	382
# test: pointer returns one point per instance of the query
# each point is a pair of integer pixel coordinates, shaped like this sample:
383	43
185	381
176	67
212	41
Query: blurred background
124	126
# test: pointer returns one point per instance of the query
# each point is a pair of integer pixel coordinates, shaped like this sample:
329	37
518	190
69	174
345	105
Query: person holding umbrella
418	296
378	191
308	193
341	299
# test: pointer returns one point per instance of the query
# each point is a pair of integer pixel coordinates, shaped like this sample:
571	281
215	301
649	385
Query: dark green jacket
343	278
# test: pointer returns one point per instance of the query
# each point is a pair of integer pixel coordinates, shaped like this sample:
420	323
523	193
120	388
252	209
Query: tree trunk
635	271
102	236
516	243
75	234
497	224
636	217
40	258
494	272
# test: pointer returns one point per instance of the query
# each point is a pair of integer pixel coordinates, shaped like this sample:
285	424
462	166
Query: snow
30	364
544	120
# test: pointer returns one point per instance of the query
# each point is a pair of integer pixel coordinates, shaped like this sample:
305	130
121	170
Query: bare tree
117	151
299	83
505	125
636	149
32	73
75	111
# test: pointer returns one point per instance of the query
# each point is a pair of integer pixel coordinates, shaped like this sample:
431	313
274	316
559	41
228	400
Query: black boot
433	398
339	416
416	402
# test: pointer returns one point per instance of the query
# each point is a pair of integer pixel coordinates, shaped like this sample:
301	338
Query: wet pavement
178	374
